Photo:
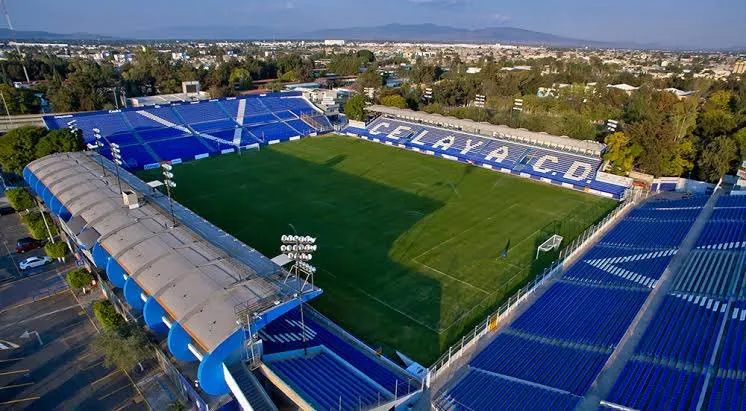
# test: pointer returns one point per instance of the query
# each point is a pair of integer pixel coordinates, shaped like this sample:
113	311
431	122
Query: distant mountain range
6	34
390	32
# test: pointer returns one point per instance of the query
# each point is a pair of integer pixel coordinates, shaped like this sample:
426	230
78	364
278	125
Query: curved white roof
197	283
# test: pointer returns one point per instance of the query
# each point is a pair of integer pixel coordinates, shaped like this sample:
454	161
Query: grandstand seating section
479	390
284	335
326	382
697	337
569	169
647	386
148	135
564	338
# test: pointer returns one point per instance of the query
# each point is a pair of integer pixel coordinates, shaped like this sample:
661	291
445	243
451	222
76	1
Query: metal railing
492	321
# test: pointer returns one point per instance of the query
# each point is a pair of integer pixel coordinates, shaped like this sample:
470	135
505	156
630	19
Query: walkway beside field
625	349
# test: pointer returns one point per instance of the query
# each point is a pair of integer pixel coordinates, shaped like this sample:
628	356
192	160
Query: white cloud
499	17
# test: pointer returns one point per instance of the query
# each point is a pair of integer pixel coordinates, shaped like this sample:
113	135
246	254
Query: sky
694	23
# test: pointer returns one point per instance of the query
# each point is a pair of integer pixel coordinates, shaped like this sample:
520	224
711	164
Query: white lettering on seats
417	140
572	172
499	154
374	130
398	131
543	159
469	146
445	143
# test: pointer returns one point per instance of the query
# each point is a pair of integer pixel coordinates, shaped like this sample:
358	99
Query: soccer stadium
456	265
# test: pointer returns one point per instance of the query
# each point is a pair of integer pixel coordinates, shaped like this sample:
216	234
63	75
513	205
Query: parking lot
46	358
11	230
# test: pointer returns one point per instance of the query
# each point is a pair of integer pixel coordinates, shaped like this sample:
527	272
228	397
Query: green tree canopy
124	348
394	101
355	108
717	158
19	101
59	141
20	199
35	224
79	278
740	138
18	147
620	152
56	250
108	316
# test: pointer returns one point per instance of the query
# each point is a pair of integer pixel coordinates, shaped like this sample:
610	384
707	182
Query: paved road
65	372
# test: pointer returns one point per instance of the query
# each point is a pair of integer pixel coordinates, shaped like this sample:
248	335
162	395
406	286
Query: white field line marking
452	277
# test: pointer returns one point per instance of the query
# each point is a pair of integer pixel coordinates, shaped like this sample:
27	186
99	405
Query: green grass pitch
410	246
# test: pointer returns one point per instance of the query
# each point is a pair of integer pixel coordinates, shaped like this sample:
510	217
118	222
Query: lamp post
170	184
116	154
299	249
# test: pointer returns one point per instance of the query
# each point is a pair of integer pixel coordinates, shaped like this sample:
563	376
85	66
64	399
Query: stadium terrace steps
187	131
569	169
477	390
284	335
327	381
251	388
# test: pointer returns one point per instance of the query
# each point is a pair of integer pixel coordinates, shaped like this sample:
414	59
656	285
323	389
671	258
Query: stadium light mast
299	249
116	154
97	146
168	181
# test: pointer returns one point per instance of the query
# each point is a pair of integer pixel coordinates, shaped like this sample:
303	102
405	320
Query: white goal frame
550	244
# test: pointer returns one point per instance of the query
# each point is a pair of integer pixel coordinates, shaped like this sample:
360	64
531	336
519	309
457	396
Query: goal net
552	243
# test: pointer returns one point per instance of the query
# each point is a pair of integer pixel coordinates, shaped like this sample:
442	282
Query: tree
59	141
108	316
717	158
366	55
79	278
355	108
394	101
241	78
124	348
18	147
620	153
56	250
714	123
370	78
36	226
20	199
740	138
19	101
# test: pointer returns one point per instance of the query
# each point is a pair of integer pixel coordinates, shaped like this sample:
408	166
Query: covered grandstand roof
483	128
197	282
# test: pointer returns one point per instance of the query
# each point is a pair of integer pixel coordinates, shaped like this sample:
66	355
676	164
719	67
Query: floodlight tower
98	146
170	184
299	249
116	154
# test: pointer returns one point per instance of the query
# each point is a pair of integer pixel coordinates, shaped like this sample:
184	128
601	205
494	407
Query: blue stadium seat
184	148
283	334
646	386
329	383
583	314
557	366
477	390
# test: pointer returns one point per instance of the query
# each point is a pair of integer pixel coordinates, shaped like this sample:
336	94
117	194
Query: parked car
6	210
33	262
27	244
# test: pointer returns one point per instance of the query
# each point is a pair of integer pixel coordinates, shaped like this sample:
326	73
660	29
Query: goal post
550	244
